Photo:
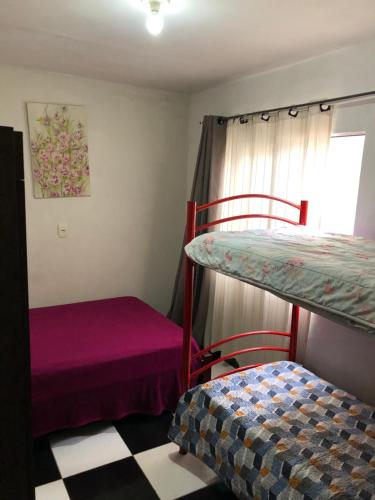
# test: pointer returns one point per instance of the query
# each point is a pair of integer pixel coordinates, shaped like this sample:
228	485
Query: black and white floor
131	458
127	459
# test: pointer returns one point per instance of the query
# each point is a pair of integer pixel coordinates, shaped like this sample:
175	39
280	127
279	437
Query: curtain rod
303	105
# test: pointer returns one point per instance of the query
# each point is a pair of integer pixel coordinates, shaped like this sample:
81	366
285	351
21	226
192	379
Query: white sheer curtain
284	157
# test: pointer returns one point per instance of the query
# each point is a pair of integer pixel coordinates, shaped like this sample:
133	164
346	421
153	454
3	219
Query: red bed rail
191	230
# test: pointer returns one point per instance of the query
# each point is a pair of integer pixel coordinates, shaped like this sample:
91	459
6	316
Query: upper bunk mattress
330	274
279	431
102	360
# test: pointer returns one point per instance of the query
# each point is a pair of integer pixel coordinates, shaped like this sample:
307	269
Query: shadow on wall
166	231
343	356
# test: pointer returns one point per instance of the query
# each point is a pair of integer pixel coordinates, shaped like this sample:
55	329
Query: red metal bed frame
191	230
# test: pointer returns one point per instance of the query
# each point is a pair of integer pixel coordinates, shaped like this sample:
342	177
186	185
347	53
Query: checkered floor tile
130	458
127	459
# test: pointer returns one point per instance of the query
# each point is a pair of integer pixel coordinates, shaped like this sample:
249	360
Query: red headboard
191	230
193	209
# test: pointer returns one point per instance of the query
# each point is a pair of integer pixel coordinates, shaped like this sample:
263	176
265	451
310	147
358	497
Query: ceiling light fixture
265	117
155	22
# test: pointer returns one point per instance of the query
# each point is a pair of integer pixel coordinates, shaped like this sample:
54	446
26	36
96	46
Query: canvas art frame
59	150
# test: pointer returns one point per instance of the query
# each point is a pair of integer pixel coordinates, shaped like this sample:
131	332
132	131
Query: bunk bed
102	360
277	430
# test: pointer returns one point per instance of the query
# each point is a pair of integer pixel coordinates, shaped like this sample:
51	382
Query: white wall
125	238
345	357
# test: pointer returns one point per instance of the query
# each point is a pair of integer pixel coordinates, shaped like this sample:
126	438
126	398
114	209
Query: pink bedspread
102	360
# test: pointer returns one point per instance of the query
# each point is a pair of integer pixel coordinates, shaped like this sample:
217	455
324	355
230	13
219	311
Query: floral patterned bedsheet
330	274
279	431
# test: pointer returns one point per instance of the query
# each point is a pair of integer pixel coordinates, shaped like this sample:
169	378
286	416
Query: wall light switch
62	230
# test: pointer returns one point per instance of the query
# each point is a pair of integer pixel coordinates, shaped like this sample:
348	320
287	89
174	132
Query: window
341	189
285	157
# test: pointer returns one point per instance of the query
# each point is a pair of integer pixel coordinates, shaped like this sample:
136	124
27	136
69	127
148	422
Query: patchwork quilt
280	432
330	274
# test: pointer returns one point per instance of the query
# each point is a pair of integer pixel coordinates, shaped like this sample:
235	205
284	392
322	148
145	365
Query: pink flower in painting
73	175
62	146
78	135
57	157
63	137
50	147
75	154
63	169
72	190
81	156
56	128
68	189
44	156
54	180
54	194
38	174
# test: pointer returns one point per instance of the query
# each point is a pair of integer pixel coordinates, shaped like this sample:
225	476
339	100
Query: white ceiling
204	42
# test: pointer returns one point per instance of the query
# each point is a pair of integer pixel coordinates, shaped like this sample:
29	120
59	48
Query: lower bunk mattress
279	431
102	360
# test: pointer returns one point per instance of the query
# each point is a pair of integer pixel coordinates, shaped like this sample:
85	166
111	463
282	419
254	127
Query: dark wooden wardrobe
15	399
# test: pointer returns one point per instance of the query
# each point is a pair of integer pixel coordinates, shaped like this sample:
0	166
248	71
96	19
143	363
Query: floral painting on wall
59	151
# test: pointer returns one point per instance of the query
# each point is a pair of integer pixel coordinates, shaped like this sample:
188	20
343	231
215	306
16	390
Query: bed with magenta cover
279	431
102	360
